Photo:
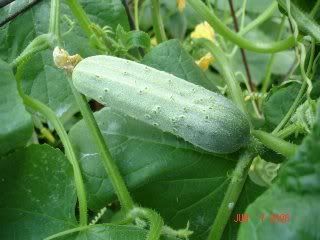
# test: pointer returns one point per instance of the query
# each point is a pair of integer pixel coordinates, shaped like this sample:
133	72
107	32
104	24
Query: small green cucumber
204	118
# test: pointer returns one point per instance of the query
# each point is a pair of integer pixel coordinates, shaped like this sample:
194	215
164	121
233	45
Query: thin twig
19	12
129	14
243	54
252	87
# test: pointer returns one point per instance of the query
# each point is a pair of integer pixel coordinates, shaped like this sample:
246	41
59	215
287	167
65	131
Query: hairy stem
287	131
110	166
83	21
157	22
276	144
220	28
231	196
42	42
58	126
54	22
154	219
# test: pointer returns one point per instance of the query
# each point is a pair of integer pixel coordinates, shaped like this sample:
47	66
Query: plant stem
266	81
304	85
83	21
155	220
230	199
54	22
69	231
51	116
292	109
315	9
38	44
58	126
110	166
287	131
260	19
220	28
136	14
251	86
243	54
243	15
227	73
157	22
276	144
81	16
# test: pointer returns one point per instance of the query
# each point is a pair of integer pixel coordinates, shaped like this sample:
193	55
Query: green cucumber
204	118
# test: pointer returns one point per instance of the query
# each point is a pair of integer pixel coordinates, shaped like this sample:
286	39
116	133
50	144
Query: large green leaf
300	11
16	126
296	193
42	79
172	58
37	193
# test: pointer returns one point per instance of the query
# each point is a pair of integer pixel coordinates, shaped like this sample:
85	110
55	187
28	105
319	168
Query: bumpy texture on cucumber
204	118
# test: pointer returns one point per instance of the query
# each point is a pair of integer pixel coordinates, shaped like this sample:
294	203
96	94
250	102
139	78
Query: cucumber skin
204	118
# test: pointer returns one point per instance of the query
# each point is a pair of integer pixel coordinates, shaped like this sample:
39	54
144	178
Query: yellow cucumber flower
181	4
203	30
205	61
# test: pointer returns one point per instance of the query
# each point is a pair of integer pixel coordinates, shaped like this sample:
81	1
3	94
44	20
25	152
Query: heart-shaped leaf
37	193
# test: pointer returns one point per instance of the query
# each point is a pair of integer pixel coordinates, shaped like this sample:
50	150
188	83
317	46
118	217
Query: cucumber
204	118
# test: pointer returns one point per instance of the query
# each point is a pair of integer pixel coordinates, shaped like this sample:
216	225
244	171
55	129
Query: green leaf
172	58
16	126
300	11
133	39
176	25
112	232
43	80
37	193
297	193
278	102
191	183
